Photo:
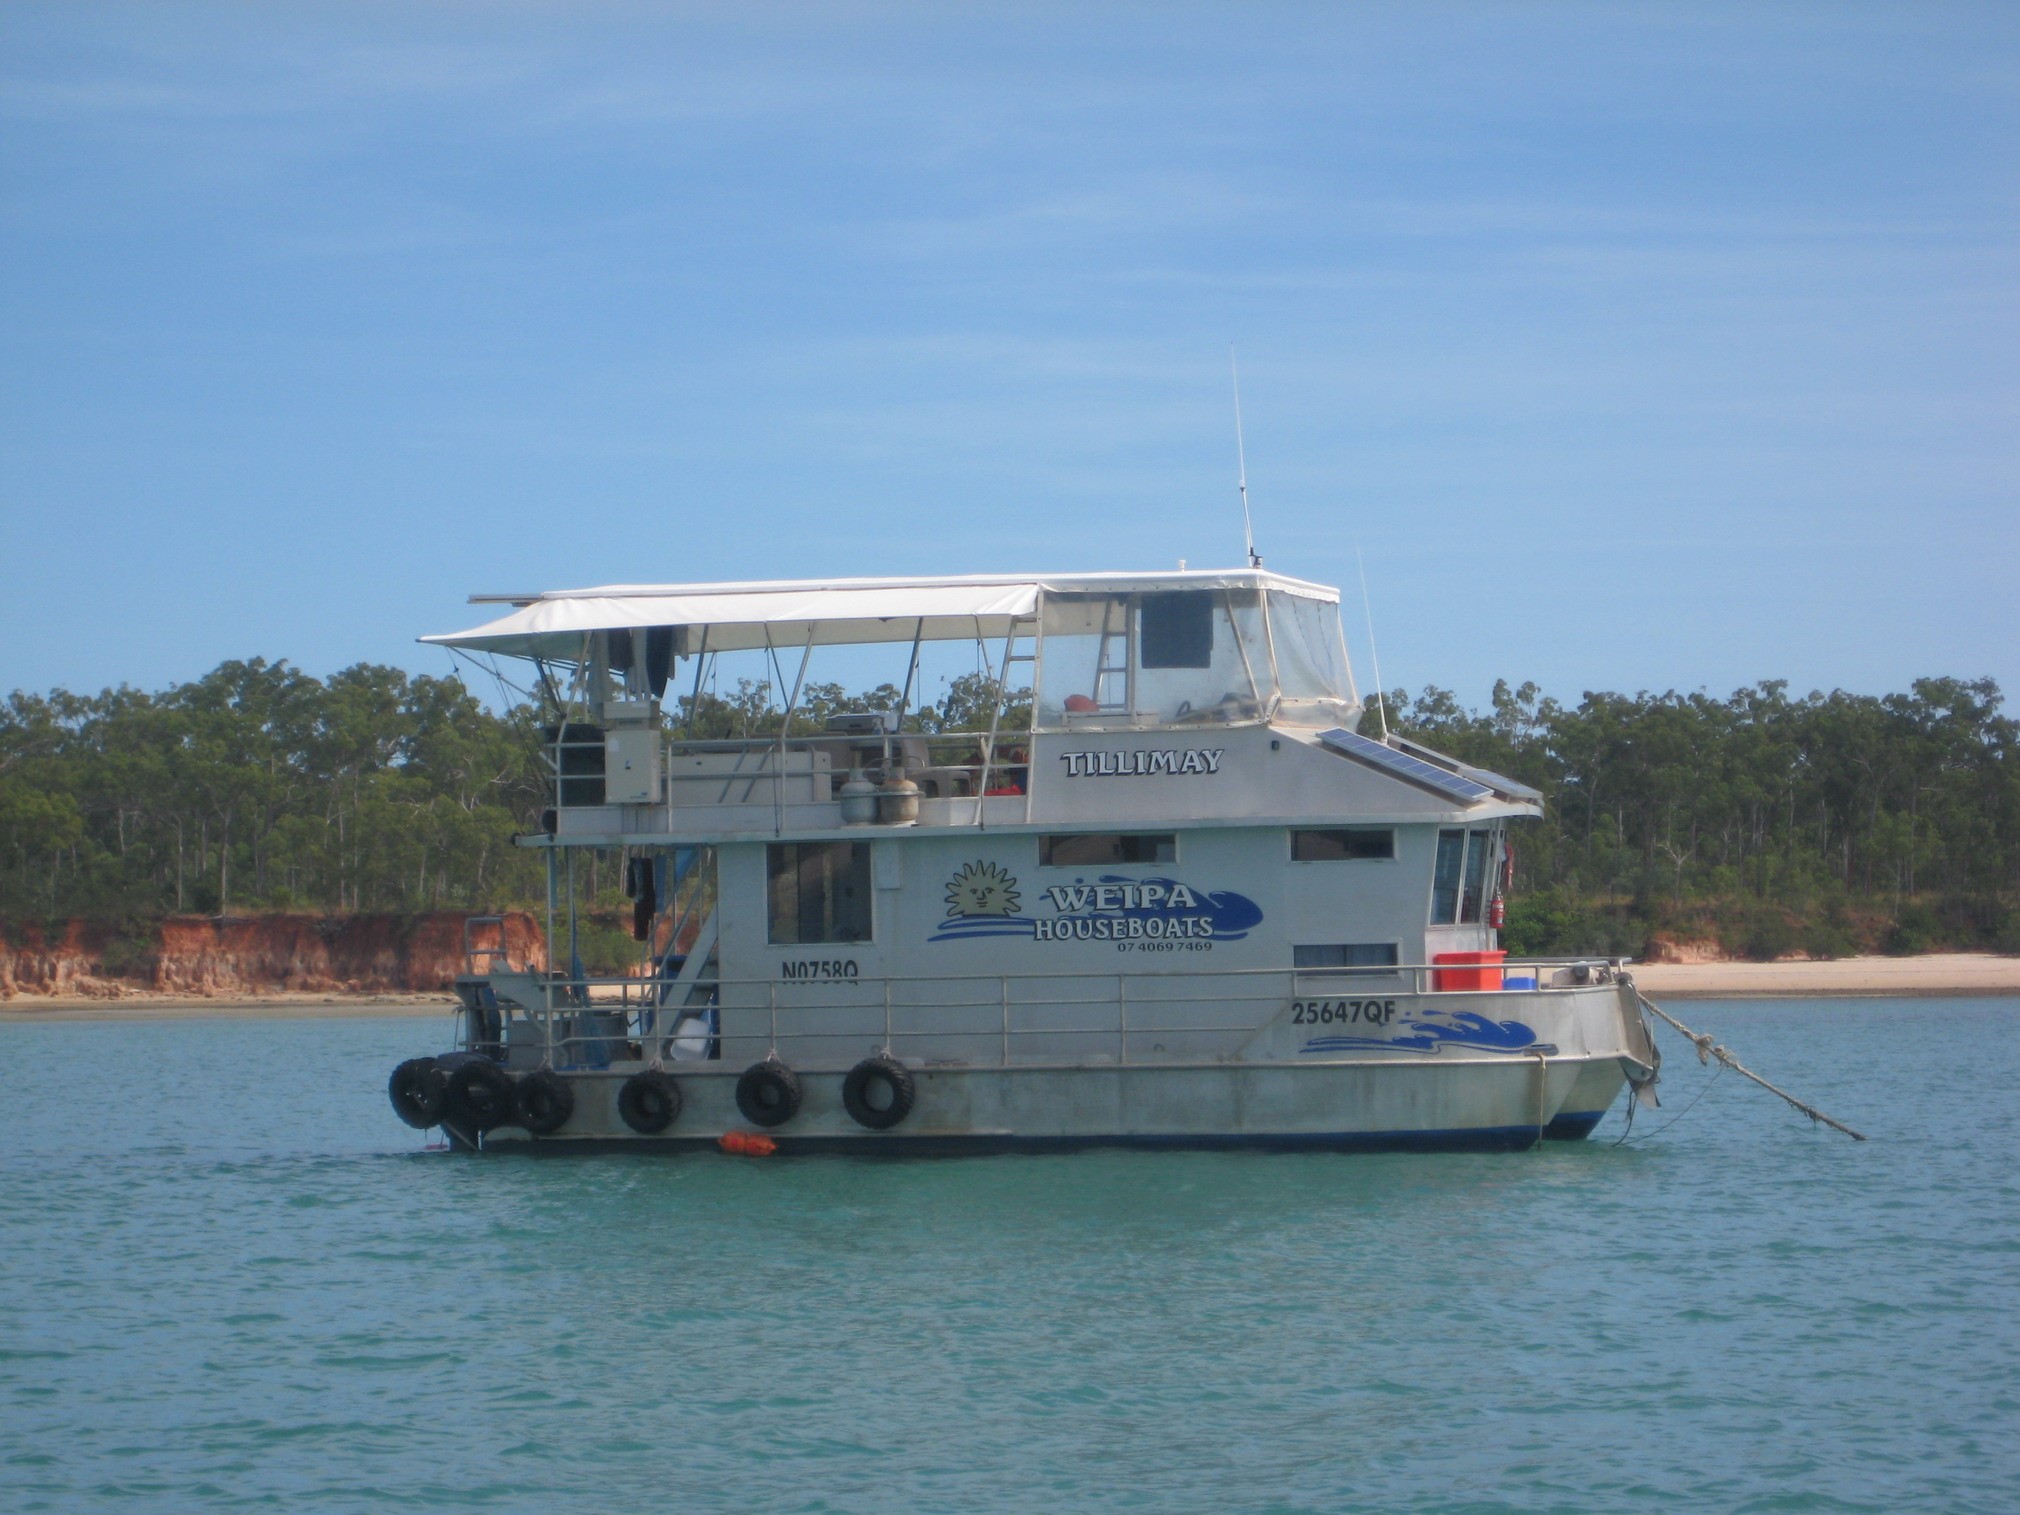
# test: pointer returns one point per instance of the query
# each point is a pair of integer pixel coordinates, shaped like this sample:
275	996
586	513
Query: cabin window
1352	844
1173	657
1176	629
1459	882
1356	959
1095	849
818	891
1476	877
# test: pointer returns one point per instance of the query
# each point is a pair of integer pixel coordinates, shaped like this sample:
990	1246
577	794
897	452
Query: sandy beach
1948	973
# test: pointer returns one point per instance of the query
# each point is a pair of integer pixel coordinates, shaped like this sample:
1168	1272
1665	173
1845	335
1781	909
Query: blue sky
1634	346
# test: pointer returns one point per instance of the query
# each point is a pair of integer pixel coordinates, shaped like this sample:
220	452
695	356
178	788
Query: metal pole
547	994
905	699
1270	641
694	700
1234	632
995	720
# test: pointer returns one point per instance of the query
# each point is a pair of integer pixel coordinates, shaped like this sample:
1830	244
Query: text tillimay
1140	762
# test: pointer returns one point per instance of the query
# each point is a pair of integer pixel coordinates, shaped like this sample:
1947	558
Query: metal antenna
1381	705
1241	463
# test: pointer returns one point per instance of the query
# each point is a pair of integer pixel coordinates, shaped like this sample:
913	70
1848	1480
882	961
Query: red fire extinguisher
1497	907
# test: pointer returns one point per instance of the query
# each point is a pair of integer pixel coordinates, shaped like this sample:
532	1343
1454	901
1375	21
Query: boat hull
1390	1104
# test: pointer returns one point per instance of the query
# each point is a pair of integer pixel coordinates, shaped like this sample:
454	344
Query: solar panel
1500	783
1507	788
1403	766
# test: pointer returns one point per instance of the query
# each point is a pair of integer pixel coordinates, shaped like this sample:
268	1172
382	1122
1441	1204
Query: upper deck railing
751	783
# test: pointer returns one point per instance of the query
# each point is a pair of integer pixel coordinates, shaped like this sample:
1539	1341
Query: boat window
1084	675
818	891
1313	679
1093	849
1459	884
1353	844
1445	878
1177	629
1348	959
1170	657
1476	877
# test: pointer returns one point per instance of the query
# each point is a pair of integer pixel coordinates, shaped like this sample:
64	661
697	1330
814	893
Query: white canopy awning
787	614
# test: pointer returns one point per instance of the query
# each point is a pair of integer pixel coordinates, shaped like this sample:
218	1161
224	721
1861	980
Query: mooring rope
1649	1136
1708	1050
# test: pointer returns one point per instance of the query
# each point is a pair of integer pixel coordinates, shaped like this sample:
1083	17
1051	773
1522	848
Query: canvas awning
554	627
785	614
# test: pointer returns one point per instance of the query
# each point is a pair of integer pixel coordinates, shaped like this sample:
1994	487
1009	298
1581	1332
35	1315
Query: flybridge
1210	695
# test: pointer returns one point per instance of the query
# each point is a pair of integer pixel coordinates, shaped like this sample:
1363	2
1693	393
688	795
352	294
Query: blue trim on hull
1573	1128
896	1144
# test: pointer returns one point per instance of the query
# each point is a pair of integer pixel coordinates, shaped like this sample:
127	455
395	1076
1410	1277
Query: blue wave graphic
1438	1028
962	927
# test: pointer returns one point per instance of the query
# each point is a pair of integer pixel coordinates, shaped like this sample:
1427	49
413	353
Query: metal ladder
1105	668
1022	628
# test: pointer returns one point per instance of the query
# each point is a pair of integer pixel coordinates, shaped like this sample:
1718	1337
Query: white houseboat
1167	894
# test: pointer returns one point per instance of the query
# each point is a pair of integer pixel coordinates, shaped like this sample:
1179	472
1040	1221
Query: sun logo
982	889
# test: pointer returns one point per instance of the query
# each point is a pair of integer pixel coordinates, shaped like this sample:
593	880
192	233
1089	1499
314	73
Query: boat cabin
1163	773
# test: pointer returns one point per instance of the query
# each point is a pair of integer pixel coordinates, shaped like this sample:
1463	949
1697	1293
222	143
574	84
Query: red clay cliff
206	956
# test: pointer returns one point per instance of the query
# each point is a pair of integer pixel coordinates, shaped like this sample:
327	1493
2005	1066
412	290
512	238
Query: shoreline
143	1005
1937	975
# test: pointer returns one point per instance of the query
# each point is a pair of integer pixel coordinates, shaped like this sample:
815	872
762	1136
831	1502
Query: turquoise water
231	1280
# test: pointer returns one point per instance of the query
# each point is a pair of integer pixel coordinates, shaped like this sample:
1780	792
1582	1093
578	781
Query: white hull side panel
1432	1102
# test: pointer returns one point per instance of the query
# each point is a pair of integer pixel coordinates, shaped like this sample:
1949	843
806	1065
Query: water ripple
298	1308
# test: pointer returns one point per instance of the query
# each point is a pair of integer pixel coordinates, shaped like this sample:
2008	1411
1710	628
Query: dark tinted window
1476	879
1369	958
1093	849
1342	846
818	891
1445	878
1177	630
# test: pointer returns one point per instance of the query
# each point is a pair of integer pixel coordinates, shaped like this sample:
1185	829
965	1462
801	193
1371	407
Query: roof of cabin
792	613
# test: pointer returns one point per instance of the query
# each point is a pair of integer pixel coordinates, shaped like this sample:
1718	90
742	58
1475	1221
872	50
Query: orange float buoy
746	1144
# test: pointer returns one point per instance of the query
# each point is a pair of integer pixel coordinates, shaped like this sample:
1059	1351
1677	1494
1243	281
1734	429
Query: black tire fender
768	1094
649	1102
481	1095
419	1090
543	1102
878	1092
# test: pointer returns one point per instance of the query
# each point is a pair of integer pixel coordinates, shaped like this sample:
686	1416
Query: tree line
1827	823
1771	823
258	787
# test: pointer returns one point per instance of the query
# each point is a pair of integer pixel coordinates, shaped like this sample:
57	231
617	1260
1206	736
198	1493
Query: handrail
798	739
781	762
1192	971
498	955
642	1020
